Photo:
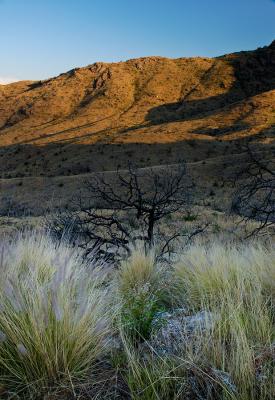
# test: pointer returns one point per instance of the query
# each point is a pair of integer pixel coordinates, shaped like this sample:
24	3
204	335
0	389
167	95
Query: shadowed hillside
151	110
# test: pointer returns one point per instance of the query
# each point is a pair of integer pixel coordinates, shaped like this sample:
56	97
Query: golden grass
139	269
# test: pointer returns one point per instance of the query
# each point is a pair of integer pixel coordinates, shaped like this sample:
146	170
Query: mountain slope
152	110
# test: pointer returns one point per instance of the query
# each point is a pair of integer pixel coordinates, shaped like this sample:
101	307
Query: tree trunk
150	231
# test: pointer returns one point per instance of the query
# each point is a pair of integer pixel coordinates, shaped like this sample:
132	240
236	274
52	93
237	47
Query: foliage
141	291
60	316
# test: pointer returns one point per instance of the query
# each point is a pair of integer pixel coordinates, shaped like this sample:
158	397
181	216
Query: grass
238	285
234	358
140	291
53	319
59	317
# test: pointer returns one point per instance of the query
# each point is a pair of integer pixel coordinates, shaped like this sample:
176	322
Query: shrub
140	291
190	217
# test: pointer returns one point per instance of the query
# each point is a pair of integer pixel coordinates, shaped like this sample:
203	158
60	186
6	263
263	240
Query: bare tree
116	210
255	195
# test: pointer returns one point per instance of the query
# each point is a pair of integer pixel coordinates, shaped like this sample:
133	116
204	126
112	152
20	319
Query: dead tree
115	210
254	198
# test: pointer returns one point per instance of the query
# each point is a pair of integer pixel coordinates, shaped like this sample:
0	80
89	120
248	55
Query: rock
225	379
262	362
114	343
172	331
210	384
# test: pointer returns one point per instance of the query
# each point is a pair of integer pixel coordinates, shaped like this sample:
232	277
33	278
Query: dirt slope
147	100
151	110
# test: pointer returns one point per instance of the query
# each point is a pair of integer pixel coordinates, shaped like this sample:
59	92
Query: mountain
151	110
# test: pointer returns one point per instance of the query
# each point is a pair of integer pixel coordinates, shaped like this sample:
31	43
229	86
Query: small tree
115	210
255	196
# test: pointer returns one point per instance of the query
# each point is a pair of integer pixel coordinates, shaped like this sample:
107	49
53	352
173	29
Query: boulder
175	330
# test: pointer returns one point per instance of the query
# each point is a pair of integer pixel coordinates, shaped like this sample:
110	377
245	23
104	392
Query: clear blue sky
42	38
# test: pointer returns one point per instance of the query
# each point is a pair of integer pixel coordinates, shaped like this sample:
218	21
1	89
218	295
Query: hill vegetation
125	99
130	278
202	329
153	111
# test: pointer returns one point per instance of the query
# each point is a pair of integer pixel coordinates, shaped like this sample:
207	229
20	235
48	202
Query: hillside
153	110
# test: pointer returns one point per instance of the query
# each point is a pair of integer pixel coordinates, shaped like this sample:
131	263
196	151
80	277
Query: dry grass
56	318
140	293
235	357
236	284
53	319
138	270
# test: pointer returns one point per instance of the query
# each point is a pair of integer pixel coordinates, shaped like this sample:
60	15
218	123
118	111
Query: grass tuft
140	292
237	285
58	312
53	319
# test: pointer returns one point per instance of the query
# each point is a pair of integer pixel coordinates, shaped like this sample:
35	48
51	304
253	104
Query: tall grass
53	318
237	285
57	314
233	357
140	292
154	377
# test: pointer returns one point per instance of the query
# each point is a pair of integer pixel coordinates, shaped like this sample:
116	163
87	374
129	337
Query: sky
43	38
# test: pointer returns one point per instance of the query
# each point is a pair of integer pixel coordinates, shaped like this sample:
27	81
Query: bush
140	291
190	217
